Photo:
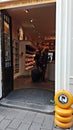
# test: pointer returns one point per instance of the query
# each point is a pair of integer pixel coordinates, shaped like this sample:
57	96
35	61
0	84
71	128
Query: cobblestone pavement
17	119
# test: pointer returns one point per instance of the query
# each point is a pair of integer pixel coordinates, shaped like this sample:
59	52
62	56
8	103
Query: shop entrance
38	29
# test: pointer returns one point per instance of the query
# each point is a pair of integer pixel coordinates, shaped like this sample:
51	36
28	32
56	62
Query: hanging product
63	112
63	119
63	125
63	99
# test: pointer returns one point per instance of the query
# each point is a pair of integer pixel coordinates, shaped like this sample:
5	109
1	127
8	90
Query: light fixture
26	11
31	20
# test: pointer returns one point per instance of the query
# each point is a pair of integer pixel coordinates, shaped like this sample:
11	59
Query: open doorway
38	28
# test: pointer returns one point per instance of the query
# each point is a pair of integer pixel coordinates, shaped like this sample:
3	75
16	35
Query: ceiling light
31	20
27	11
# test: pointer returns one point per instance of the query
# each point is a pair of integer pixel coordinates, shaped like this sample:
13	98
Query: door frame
6	69
63	42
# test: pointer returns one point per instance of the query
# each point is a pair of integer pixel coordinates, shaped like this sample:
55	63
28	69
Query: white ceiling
43	24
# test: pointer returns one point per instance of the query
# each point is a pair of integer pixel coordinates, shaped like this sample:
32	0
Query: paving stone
10	129
25	121
4	112
4	124
30	116
17	119
48	122
15	124
39	118
11	115
35	126
21	115
44	129
24	127
1	117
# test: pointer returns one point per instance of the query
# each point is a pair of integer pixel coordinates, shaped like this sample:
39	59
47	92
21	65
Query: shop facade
64	62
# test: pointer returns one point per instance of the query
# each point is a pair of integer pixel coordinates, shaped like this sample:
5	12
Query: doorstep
48	109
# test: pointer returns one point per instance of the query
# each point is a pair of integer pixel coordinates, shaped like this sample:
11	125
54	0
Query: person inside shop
44	62
41	59
52	48
37	56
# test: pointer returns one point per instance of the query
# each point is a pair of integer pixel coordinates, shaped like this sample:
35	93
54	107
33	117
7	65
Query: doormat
32	99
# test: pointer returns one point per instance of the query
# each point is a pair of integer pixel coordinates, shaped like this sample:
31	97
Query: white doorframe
63	42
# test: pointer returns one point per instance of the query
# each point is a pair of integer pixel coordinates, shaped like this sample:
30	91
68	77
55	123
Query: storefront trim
63	43
23	3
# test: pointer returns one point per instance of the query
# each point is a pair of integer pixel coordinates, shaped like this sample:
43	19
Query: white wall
63	45
71	52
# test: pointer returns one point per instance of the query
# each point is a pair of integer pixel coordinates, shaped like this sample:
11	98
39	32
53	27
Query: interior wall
15	27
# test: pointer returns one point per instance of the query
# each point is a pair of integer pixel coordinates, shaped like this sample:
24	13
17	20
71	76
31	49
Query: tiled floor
26	82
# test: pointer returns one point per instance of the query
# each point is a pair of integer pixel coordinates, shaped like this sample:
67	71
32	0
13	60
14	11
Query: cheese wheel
63	99
63	125
63	119
63	112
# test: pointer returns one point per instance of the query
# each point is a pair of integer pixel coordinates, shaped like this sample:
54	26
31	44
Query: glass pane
7	42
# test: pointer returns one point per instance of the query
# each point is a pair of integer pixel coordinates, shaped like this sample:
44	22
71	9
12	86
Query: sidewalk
17	119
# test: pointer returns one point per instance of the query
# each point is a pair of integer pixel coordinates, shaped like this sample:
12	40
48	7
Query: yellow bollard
63	119
63	99
63	110
63	125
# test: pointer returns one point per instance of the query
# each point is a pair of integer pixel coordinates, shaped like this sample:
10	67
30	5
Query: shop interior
33	27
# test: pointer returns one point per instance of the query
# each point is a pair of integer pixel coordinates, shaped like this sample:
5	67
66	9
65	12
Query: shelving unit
27	49
23	57
30	50
16	56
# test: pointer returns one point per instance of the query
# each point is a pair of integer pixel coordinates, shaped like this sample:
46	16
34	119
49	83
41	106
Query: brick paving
17	119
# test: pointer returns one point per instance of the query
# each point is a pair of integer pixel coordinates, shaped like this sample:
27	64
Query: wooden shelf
30	50
29	63
29	55
29	59
29	67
